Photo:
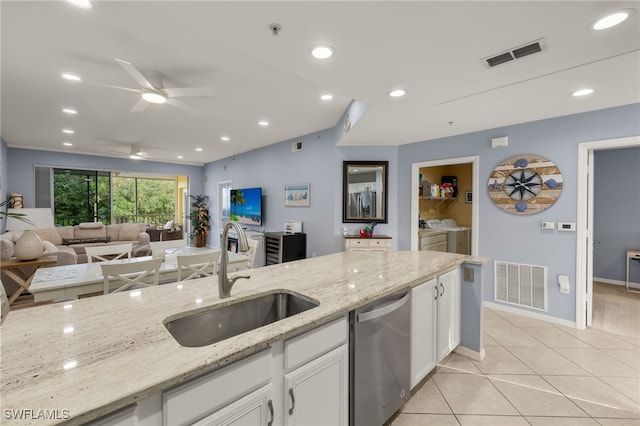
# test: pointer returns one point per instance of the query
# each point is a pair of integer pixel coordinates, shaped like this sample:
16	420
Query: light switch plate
547	225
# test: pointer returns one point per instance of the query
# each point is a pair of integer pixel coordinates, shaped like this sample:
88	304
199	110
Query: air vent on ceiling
515	53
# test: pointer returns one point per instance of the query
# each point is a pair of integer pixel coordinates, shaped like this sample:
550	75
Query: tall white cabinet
435	322
448	313
424	317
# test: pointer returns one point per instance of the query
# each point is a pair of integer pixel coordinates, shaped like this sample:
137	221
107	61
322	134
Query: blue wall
507	237
318	164
21	174
616	218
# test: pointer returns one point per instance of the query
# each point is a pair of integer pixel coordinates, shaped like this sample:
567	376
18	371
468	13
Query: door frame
584	223
415	202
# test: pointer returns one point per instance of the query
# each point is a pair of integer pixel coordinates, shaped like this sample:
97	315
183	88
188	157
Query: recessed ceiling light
326	97
263	123
199	149
610	20
322	52
225	138
69	111
83	4
396	93
154	97
180	157
582	92
71	77
68	131
67	144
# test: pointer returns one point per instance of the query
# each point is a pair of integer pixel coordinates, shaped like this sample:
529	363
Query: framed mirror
364	190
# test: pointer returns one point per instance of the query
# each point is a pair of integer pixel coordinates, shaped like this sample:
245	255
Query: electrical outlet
467	274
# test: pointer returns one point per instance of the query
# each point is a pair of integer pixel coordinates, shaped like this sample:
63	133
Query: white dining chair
131	274
114	252
160	248
253	248
197	265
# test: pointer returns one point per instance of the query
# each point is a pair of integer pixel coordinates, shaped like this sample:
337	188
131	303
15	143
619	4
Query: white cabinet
300	381
317	393
435	322
254	409
207	394
433	240
448	336
381	243
424	300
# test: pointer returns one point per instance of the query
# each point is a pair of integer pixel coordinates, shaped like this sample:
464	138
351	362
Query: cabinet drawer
379	243
354	242
190	402
301	349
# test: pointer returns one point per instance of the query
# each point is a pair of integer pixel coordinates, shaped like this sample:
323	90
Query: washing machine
458	237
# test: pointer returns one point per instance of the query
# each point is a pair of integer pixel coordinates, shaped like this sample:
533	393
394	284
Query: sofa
68	243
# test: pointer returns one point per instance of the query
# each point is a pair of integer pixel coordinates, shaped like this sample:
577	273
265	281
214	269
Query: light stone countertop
122	351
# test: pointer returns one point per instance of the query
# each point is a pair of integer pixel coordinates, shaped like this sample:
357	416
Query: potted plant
200	220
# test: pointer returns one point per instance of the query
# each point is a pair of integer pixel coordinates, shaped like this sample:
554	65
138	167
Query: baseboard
528	314
615	282
475	356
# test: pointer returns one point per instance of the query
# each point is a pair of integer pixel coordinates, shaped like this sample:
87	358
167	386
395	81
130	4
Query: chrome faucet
224	282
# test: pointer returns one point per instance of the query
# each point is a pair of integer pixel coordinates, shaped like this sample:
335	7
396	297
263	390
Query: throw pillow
130	231
68	241
49	247
7	248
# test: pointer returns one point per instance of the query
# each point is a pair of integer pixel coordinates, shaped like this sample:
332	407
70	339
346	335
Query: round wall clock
525	184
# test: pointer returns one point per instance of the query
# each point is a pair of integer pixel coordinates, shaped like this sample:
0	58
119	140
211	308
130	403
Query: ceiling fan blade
137	75
140	106
113	87
181	105
188	91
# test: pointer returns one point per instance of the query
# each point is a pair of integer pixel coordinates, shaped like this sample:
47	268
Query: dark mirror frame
346	218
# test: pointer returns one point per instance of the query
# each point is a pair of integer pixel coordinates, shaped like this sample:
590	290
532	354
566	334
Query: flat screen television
246	206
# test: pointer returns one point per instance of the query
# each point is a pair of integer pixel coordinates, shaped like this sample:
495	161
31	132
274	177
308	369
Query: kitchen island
83	359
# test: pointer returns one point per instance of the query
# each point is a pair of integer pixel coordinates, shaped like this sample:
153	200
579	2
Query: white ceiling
434	50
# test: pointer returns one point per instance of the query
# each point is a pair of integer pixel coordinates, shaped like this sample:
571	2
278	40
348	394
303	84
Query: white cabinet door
317	392
255	409
448	313
423	330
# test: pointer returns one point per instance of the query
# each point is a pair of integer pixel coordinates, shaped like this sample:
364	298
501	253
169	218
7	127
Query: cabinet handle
270	404
436	289
442	285
293	401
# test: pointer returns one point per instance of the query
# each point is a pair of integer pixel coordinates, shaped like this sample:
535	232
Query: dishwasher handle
383	310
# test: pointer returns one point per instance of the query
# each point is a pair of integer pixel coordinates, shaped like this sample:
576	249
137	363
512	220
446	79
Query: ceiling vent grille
515	53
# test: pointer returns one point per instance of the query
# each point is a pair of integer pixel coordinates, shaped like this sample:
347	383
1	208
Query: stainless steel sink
219	323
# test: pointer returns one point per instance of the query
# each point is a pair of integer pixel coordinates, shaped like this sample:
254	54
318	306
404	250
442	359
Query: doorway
585	224
464	195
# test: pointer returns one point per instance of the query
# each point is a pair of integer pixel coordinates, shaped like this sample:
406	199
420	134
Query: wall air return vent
515	53
520	284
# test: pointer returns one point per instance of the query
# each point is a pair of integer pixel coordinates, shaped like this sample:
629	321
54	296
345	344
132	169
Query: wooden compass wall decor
525	184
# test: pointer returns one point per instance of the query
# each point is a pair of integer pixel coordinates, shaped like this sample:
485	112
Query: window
112	197
224	203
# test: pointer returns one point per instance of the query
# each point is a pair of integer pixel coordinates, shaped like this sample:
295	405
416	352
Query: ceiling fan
135	152
153	91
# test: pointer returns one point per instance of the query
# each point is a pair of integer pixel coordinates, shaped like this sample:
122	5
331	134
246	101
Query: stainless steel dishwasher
379	357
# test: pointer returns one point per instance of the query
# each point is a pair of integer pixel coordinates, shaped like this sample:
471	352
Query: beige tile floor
534	373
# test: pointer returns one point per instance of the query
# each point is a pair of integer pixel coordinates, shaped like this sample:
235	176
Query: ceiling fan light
154	98
135	157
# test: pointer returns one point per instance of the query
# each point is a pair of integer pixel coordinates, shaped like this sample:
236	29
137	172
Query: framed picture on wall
468	197
297	195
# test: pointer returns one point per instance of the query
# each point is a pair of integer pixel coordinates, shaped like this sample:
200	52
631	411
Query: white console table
635	255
